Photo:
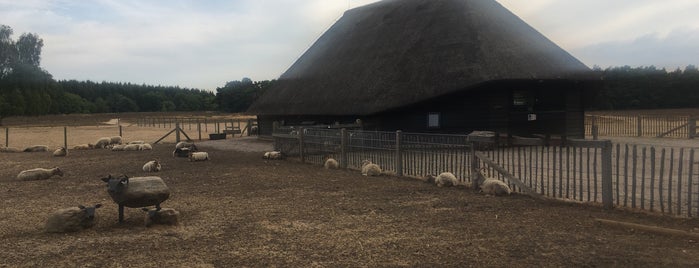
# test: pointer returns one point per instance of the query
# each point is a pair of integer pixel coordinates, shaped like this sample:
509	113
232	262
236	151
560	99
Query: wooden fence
229	126
633	176
614	125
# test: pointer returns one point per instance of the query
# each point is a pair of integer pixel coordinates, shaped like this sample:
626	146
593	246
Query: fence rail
232	126
614	125
634	176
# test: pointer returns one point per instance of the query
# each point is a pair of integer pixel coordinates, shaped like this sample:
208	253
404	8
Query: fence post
639	126
199	128
177	132
595	132
343	148
65	138
692	127
301	149
399	159
474	165
7	137
607	194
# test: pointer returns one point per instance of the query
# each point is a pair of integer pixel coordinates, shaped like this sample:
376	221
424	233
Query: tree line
647	88
28	89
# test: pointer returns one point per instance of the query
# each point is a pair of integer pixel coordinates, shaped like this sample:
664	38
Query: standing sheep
36	148
136	192
61	151
198	156
443	179
39	174
331	163
370	169
164	216
184	144
491	186
71	219
152	166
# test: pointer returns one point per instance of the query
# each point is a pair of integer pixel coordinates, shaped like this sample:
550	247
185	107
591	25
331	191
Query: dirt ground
239	210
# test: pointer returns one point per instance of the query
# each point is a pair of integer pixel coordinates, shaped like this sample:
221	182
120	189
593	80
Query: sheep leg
121	213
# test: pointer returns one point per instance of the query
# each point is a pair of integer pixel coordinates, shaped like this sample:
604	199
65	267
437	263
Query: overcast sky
203	44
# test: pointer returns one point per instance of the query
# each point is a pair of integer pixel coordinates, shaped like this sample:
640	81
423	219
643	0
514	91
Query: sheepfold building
442	66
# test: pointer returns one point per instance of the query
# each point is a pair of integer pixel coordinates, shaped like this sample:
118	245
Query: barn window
433	120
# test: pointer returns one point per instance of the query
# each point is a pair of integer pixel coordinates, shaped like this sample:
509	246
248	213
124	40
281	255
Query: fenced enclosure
633	176
231	126
635	125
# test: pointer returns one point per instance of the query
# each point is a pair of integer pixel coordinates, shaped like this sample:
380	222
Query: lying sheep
370	169
491	186
145	146
103	142
136	142
118	147
331	163
71	219
136	192
163	216
443	179
61	151
132	147
274	155
39	174
36	148
115	140
152	166
198	156
9	150
85	146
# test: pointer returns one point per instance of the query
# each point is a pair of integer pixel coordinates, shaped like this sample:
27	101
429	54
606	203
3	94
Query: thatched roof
399	52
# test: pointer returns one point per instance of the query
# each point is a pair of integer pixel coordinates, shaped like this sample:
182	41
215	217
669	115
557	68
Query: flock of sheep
486	185
126	192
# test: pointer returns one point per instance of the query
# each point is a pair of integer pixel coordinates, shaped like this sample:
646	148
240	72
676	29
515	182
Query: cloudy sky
203	44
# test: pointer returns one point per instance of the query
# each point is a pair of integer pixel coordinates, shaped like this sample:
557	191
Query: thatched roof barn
394	55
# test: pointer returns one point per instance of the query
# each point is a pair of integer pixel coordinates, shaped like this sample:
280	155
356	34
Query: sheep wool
103	142
274	155
71	219
446	179
198	156
145	146
331	163
39	174
163	216
61	151
83	146
115	140
152	166
370	169
9	150
37	148
495	187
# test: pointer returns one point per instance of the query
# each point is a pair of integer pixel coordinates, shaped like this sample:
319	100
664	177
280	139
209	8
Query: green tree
29	49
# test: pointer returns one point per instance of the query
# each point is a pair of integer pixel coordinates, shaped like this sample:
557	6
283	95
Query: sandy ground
239	210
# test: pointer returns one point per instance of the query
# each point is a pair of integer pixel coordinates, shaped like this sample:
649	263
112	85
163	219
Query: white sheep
136	142
184	144
85	146
331	163
132	147
443	179
370	169
273	155
118	147
492	186
71	219
198	156
9	150
103	142
136	192
145	146
164	216
61	151
37	148
115	140
39	174
152	166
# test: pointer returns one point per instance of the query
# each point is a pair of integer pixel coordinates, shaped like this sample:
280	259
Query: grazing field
240	210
